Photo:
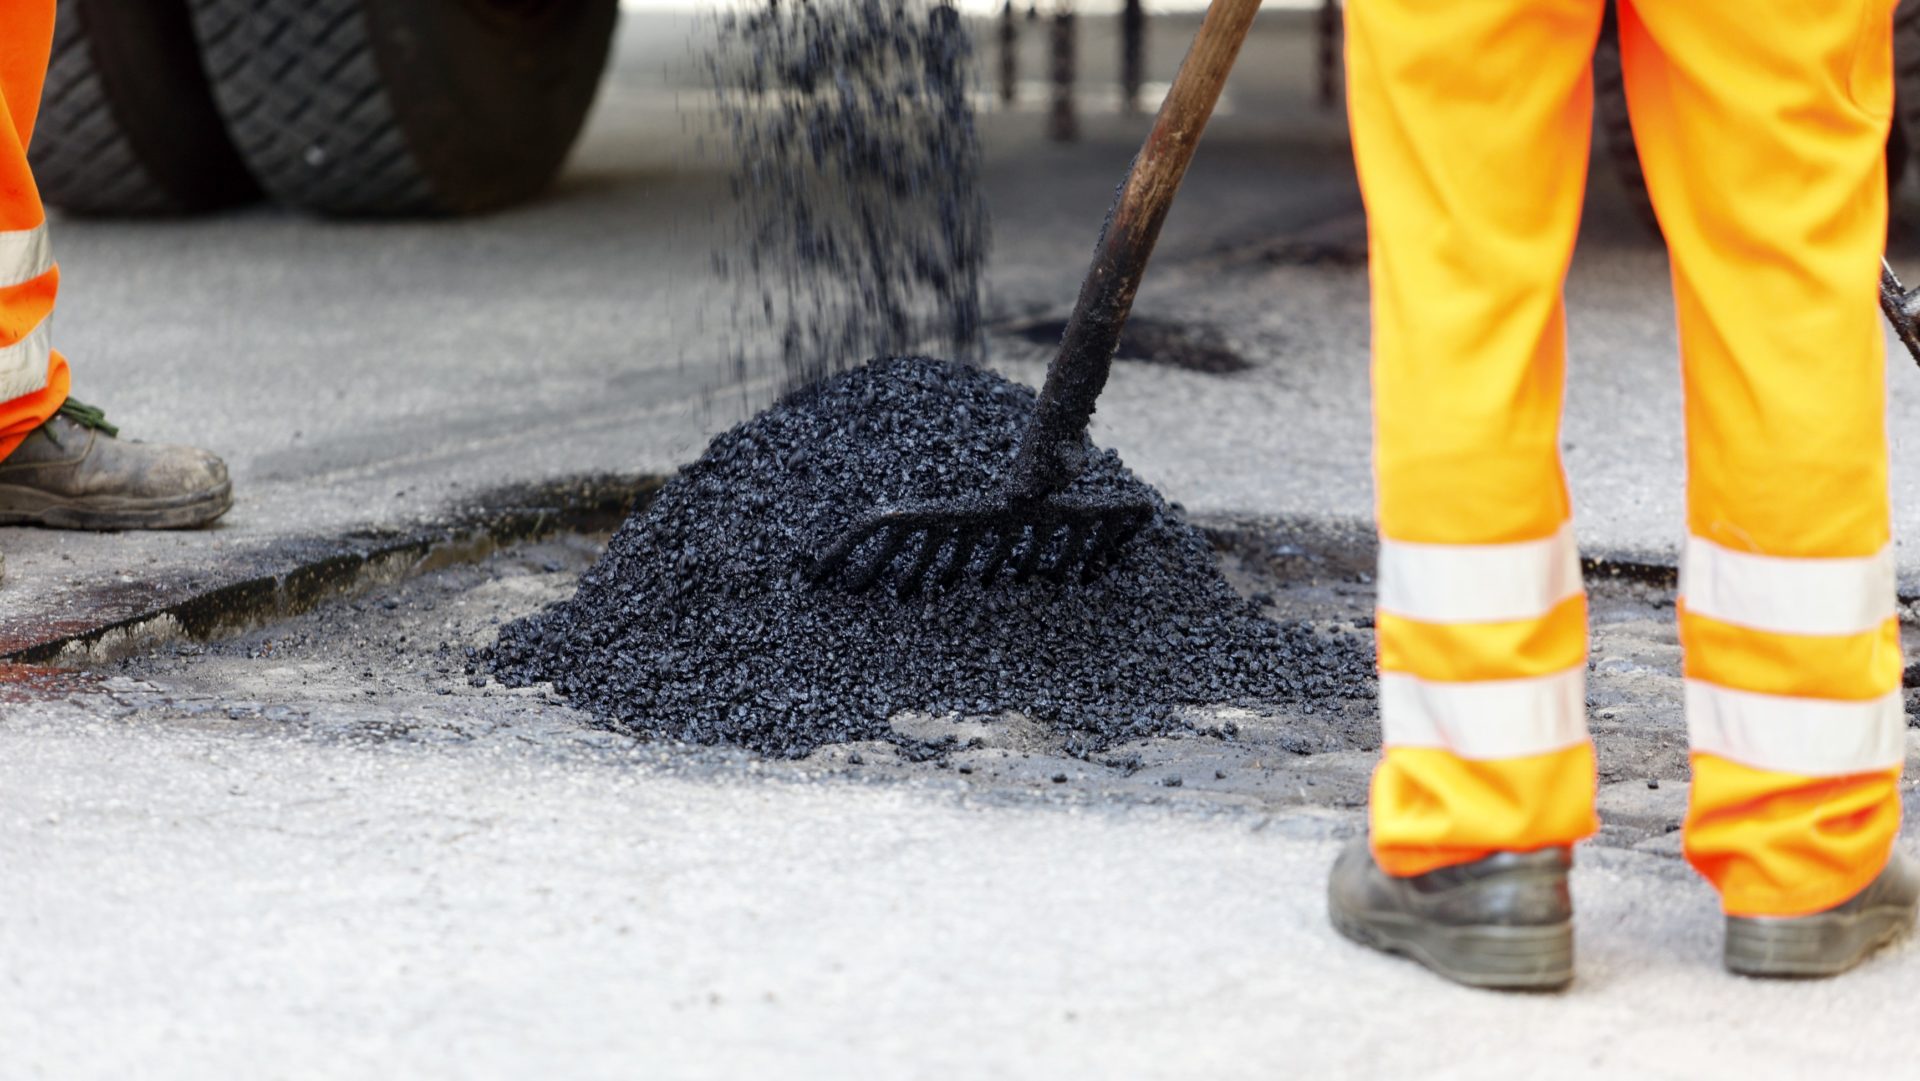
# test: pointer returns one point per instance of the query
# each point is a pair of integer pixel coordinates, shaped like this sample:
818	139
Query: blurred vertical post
1133	43
1329	53
1062	125
1009	54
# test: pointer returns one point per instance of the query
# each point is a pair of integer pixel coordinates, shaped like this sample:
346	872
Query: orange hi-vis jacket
1762	128
33	377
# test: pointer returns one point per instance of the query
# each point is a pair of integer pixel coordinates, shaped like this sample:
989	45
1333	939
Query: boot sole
1491	957
1812	946
29	506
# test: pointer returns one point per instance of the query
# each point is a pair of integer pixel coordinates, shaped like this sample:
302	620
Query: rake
1032	527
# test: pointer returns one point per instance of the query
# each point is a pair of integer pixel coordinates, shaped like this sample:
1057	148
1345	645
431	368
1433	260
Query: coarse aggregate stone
696	624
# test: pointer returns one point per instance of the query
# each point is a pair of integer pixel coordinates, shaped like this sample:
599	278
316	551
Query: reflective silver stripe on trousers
1478	583
1788	595
1488	719
1813	737
25	254
23	365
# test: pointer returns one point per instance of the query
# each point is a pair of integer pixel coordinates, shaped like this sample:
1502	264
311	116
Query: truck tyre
404	107
127	123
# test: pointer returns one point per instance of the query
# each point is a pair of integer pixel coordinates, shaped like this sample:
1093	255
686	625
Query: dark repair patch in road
697	624
1337	240
1334	254
1147	340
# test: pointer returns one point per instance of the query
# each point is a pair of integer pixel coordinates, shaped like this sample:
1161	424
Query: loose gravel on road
696	624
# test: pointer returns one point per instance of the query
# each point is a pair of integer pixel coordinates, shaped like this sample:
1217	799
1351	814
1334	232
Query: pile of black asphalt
698	625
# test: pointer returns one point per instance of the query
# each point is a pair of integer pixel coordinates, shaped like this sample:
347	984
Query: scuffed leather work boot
1831	942
1503	922
72	473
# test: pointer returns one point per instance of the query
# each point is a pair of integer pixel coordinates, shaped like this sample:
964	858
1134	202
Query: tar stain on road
696	624
1147	340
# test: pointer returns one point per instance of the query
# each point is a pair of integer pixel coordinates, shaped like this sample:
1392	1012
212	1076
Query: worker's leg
1762	127
33	378
1470	125
66	471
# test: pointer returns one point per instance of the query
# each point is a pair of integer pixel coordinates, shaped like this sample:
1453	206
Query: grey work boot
71	473
1503	922
1831	942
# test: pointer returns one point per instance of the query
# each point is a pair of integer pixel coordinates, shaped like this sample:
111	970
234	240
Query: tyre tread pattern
306	104
82	158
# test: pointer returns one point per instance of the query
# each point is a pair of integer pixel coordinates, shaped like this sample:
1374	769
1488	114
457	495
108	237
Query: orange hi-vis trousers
1762	128
33	377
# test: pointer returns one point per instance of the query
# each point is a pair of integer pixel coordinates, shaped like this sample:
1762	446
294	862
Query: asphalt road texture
698	624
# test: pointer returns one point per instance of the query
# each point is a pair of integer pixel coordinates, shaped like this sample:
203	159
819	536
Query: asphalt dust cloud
858	227
696	625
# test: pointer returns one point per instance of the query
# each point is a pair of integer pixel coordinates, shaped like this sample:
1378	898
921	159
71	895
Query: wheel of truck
127	123
394	107
1610	107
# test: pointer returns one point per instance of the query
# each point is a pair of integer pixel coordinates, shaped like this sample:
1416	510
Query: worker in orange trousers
61	464
1762	130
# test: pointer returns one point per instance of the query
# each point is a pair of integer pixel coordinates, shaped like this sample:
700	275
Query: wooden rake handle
1052	448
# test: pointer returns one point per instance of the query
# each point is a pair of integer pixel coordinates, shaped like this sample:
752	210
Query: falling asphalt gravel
697	625
858	226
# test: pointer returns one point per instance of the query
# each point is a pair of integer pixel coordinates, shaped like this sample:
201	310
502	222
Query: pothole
1336	254
1147	340
698	625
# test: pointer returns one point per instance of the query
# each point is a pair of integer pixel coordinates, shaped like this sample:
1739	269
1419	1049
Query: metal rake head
1056	537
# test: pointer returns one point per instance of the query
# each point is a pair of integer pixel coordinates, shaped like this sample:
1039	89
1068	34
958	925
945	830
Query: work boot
1831	942
72	473
1505	921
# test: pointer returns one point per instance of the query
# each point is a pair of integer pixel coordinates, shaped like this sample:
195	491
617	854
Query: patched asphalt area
392	665
715	618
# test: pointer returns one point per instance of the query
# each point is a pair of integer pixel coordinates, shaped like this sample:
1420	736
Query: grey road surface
321	850
187	903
